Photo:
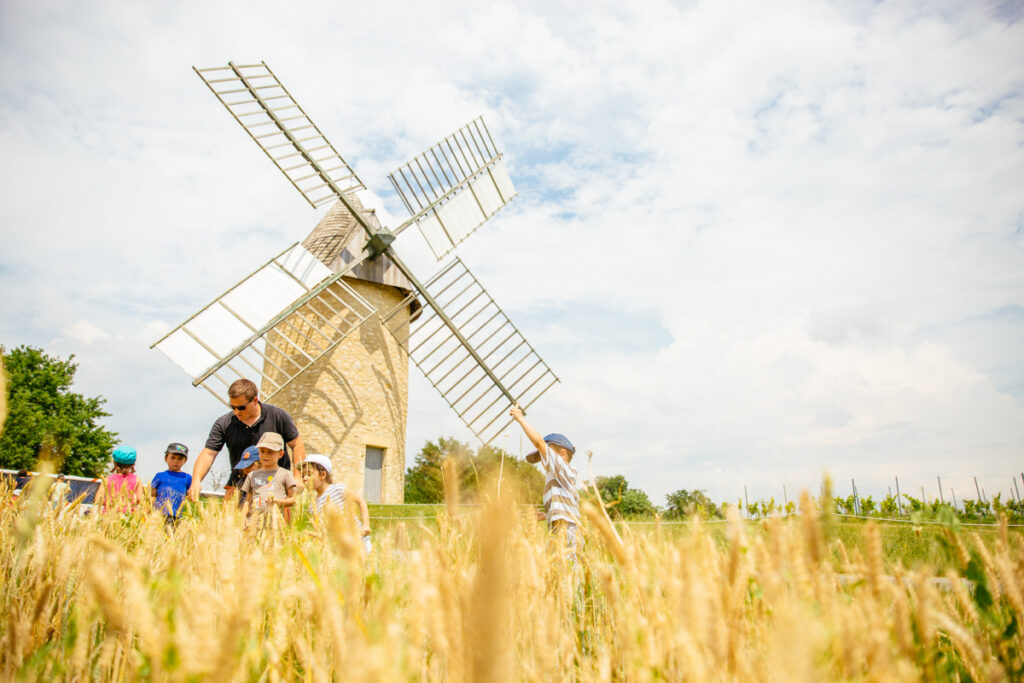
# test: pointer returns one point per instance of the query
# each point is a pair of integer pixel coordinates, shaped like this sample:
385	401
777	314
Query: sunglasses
241	407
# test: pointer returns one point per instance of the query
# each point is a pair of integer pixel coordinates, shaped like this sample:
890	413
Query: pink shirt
121	487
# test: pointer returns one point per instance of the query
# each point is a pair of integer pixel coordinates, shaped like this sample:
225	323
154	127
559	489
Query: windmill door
372	478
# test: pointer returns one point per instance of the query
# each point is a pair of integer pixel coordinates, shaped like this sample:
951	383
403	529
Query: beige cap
271	440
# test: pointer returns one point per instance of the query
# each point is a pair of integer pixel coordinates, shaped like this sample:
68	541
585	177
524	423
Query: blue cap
554	440
123	455
249	456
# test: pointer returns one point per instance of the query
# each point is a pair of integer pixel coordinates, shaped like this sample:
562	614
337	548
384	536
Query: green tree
45	417
682	504
3	394
527	479
867	506
888	506
424	482
621	500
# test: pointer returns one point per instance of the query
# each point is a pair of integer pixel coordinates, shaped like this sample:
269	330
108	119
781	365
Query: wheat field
487	596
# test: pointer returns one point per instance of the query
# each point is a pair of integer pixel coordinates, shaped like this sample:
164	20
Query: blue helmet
124	455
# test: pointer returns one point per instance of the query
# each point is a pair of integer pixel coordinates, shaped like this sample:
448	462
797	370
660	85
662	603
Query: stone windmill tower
351	404
329	325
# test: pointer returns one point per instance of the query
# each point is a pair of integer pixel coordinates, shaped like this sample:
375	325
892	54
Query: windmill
310	322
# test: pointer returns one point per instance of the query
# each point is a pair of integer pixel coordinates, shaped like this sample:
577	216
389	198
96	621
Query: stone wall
354	396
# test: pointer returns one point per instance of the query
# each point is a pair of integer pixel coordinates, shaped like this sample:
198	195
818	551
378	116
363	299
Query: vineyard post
899	506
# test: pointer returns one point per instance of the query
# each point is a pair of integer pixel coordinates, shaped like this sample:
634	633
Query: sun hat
176	448
250	456
554	440
124	455
271	440
317	459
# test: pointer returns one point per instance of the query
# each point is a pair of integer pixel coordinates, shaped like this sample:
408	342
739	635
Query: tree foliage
46	418
622	501
424	481
683	504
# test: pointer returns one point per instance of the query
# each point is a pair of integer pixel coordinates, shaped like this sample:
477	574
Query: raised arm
532	434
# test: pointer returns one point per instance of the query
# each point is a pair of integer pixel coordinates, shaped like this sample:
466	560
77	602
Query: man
248	420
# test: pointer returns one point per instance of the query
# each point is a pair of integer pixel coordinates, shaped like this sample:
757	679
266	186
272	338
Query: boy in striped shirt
561	501
317	474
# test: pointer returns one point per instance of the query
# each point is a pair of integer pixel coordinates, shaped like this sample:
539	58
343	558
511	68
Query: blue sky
756	242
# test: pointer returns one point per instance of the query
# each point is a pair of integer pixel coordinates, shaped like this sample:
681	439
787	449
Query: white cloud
810	214
85	332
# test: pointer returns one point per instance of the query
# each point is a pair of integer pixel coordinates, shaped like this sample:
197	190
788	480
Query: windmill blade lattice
282	129
464	343
276	322
455	186
463	382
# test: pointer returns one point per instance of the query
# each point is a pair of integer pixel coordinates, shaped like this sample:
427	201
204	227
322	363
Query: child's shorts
572	536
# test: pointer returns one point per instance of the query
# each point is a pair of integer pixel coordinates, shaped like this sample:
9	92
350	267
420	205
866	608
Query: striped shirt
561	501
334	493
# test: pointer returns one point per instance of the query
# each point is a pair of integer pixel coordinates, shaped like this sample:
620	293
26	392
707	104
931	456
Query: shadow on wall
333	396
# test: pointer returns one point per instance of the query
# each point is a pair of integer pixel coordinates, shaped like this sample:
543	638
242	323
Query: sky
757	242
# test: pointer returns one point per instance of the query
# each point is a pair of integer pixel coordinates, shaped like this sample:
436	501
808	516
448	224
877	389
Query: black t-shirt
229	431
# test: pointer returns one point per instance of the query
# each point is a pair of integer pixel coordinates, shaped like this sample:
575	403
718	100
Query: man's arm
199	470
532	434
298	451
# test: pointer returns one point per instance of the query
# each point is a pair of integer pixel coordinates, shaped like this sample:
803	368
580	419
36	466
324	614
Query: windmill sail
464	343
455	186
467	385
276	322
282	129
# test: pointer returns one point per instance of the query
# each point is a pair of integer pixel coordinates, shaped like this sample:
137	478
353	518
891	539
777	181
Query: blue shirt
170	488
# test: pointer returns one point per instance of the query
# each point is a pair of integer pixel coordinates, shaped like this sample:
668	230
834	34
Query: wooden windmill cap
338	239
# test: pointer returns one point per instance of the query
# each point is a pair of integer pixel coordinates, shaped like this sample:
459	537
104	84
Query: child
169	487
269	485
59	492
317	473
122	486
249	461
21	481
561	501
